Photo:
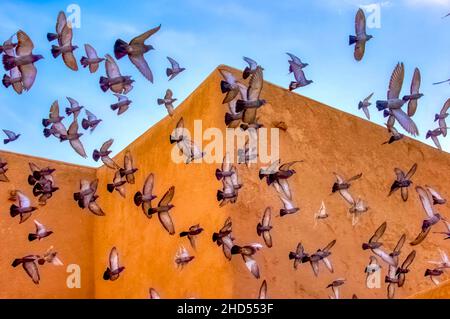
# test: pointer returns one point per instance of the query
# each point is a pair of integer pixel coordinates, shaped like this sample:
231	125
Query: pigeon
103	154
263	290
228	193
296	60
247	252
404	268
41	232
437	198
299	256
3	170
182	257
39	175
321	213
289	206
434	274
342	184
163	209
74	108
115	81
122	104
433	217
441	82
434	134
361	37
251	68
228	85
54	116
11	136
394	103
335	287
191	234
153	294
114	269
24	208
136	50
58	130
74	138
92	60
364	105
277	172
66	48
223	238
29	265
91	122
395	135
299	75
374	245
86	197
187	147
24	60
50	257
145	198
415	94
446	233
118	184
168	101
263	228
443	263
61	22
442	116
44	189
15	77
225	170
321	255
252	101
403	181
174	70
129	169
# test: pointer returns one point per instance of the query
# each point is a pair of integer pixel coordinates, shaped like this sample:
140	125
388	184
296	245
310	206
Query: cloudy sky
202	34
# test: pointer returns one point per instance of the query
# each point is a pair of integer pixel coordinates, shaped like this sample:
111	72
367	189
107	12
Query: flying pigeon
436	83
91	122
361	36
263	228
174	70
321	255
163	209
433	217
277	172
136	50
442	116
247	252
58	130
228	85
114	269
168	101
191	234
114	81
122	105
299	256
364	105
403	181
223	238
404	268
50	257
299	75
335	287
182	258
145	198
434	134
29	265
252	101
66	48
117	184
11	136
225	170
434	274
228	193
92	60
54	116
41	232
24	60
321	213
74	108
24	208
251	68
129	169
3	170
374	245
103	154
86	197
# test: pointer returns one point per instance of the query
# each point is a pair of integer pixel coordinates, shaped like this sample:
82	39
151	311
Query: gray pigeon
361	36
442	116
11	136
364	105
174	70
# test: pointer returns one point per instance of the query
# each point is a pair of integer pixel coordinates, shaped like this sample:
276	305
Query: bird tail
68	111
32	237
225	86
1	49
45	122
137	198
292	86
84	61
365	246
219	195
428	272
56	51
47	132
436	117
246	73
235	250
291	255
6	80
169	71
31	180
215	237
52	36
37	190
352	40
120	49
114	106
184	234
104	83
110	187
219	174
283	212
107	274
8	62
172	140
77	196
6	141
160	101
381	105
96	155
16	262
14	210
85	124
386	113
228	119
258	229
240	106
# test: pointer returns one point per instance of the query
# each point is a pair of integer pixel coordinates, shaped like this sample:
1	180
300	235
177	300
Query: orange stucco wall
72	237
327	139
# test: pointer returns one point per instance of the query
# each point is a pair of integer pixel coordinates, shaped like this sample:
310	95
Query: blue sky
202	34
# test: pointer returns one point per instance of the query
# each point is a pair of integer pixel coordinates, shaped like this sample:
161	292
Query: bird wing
141	64
39	226
378	233
412	171
400	244
408	261
66	36
174	63
328	264
434	193
128	161
111	67
166	221
347	196
154	294
140	39
354	178
421	237
267	217
167	198
366	112
251	63
228	76
252	266
61	22
329	246
114	259
368	98
405	121
436	142
29	73
24	201
91	116
396	82
415	83
426	202
90	51
360	49
73	103
24	46
148	185
95	208
106	145
360	23
255	85
54	110
299	75
32	271
70	61
78	147
294	58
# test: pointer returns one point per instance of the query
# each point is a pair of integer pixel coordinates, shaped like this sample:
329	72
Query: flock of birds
243	103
